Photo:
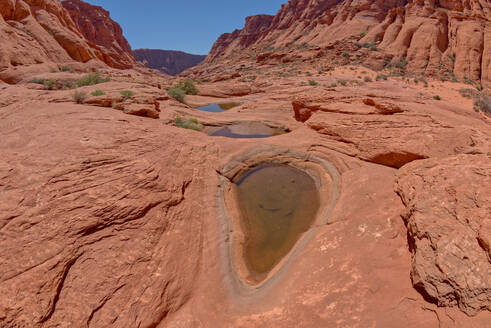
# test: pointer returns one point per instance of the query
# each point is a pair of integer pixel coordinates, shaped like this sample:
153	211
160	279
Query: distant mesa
167	61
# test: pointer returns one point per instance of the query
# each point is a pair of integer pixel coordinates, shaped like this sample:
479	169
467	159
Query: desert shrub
343	82
98	93
482	103
91	79
453	78
370	46
37	81
363	34
313	83
345	54
333	85
467	93
50	84
248	78
381	77
69	85
190	123
79	97
401	64
468	81
367	79
66	68
177	94
127	94
452	58
188	87
437	97
304	45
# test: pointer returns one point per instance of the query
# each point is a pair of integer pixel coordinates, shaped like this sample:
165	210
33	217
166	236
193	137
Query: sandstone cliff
37	34
167	61
97	27
435	37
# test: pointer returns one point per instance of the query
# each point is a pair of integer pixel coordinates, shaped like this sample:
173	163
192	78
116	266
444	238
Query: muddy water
278	204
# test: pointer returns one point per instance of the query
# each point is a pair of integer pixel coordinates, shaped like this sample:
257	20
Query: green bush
127	94
177	94
79	97
367	79
483	103
50	85
313	83
37	81
401	64
343	82
65	68
469	81
98	93
363	34
188	87
333	85
345	54
381	77
437	97
370	46
190	123
91	79
467	93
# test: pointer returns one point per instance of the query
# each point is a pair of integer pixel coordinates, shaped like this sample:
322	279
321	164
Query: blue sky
187	25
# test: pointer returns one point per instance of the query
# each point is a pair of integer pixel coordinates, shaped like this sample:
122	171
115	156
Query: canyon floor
109	219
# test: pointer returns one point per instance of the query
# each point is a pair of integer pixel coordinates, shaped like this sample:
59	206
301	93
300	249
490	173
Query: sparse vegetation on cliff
79	97
127	94
92	79
98	93
482	103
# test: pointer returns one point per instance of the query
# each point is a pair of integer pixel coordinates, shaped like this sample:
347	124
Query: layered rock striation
36	34
98	28
452	37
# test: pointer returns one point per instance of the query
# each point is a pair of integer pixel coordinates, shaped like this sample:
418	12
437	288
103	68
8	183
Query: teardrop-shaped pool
277	204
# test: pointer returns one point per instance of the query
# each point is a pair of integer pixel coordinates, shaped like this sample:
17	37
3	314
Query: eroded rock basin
277	204
245	130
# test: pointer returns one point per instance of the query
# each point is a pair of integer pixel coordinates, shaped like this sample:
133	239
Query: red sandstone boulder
448	219
141	110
